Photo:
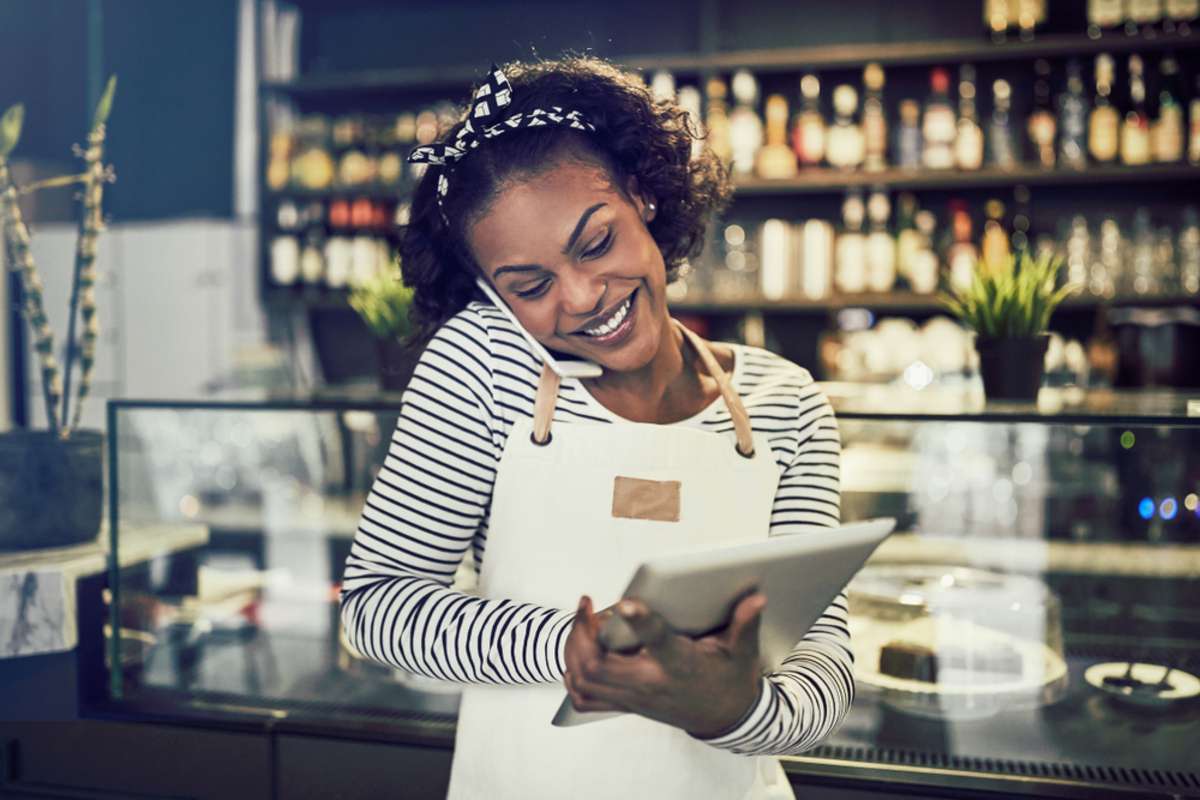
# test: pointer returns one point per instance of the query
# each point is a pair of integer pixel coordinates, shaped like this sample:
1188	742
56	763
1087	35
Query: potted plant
1008	305
383	303
50	481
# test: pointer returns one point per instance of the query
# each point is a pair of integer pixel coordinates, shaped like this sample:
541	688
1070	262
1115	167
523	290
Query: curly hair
636	136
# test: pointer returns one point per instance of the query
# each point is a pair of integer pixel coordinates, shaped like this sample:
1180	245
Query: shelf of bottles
1116	104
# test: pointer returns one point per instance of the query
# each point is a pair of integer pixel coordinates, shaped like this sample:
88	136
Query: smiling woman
578	221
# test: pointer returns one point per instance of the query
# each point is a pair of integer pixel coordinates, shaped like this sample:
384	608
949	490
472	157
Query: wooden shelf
832	181
825	181
841	56
899	302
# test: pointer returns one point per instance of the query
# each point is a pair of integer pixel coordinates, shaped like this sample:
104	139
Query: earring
651	208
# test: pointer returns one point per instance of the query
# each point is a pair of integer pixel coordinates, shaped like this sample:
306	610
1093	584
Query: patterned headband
486	121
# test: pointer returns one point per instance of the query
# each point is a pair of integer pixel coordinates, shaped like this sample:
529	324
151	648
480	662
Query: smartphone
565	366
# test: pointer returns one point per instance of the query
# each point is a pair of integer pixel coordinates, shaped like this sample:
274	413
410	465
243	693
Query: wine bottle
850	275
938	125
908	135
1073	120
717	120
1167	133
745	126
844	149
963	253
907	237
881	248
776	160
968	141
1002	145
924	268
995	245
1104	124
1041	124
808	130
874	119
1135	128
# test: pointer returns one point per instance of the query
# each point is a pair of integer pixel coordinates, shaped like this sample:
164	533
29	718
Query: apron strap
543	405
737	411
547	396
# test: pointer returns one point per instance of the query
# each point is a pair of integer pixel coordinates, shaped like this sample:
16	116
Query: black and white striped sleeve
427	505
807	697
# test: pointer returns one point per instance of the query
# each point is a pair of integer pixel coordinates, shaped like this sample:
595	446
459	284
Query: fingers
586	696
747	617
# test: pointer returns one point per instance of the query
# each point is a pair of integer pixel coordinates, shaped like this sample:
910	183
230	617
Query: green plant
1011	300
83	298
383	303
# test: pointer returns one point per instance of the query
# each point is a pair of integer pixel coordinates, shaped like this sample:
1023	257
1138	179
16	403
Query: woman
574	195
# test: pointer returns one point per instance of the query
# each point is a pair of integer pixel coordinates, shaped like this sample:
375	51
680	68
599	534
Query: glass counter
1035	620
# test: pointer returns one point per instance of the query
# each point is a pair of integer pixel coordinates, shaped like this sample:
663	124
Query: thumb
746	620
651	629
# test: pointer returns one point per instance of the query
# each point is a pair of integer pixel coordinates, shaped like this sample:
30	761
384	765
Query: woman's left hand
703	685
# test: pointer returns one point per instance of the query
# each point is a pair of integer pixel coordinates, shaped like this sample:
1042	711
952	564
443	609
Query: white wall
175	301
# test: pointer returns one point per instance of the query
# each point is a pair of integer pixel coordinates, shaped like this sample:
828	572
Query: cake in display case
1034	621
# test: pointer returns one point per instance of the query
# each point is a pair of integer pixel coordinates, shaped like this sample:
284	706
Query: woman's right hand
583	645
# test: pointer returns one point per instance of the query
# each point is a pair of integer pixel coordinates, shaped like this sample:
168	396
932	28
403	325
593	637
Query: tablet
800	573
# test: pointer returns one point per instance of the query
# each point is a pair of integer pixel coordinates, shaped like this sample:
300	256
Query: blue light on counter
1146	508
1168	508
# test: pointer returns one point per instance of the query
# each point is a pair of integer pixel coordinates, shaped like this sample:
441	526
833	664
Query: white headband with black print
486	121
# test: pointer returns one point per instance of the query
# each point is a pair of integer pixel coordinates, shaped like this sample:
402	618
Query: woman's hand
703	685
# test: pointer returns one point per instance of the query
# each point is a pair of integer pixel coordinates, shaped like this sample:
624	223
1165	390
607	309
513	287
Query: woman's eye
536	291
600	248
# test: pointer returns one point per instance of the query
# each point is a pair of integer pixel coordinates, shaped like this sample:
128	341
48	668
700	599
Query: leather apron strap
547	395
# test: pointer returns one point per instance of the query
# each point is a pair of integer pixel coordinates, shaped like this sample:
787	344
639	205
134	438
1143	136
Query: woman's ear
644	204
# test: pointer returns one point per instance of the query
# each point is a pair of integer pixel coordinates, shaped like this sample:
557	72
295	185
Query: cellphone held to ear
565	366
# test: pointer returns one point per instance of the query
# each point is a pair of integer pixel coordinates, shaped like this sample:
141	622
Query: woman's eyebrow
579	226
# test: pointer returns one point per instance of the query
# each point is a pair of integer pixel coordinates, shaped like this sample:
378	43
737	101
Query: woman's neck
672	386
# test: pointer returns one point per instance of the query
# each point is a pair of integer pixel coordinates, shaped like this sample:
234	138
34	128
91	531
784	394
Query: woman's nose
582	293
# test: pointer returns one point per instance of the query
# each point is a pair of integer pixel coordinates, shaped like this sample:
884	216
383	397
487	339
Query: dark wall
171	129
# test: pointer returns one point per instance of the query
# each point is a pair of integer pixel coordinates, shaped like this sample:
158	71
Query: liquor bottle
745	127
968	142
1194	126
1104	124
717	121
1189	251
1073	120
994	246
845	149
816	258
881	248
874	119
1079	251
808	129
775	159
1166	135
1030	14
1042	124
662	86
1019	238
1145	278
908	135
312	259
1142	16
1002	143
963	254
850	275
775	252
1135	128
998	16
285	260
1104	16
1109	270
938	125
908	239
924	268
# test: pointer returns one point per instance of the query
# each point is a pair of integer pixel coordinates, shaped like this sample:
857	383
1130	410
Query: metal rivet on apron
738	450
533	438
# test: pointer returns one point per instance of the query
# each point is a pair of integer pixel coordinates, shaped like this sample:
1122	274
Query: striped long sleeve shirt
429	505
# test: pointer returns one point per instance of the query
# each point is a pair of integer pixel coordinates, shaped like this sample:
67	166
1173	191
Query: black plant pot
1012	368
396	364
51	490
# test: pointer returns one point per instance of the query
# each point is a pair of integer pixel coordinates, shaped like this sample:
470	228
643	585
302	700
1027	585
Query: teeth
614	322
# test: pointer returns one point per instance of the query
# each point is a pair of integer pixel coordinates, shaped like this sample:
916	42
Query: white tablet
695	592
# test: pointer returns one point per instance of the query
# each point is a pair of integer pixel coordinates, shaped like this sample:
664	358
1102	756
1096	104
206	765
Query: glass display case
1033	626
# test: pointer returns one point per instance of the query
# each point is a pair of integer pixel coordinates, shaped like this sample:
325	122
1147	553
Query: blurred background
878	149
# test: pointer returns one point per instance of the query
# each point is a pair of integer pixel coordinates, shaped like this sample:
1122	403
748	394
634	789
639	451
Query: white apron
553	537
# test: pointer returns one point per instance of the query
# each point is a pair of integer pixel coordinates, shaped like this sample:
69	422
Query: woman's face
571	255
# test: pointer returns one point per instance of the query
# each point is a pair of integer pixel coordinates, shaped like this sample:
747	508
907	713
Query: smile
614	325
